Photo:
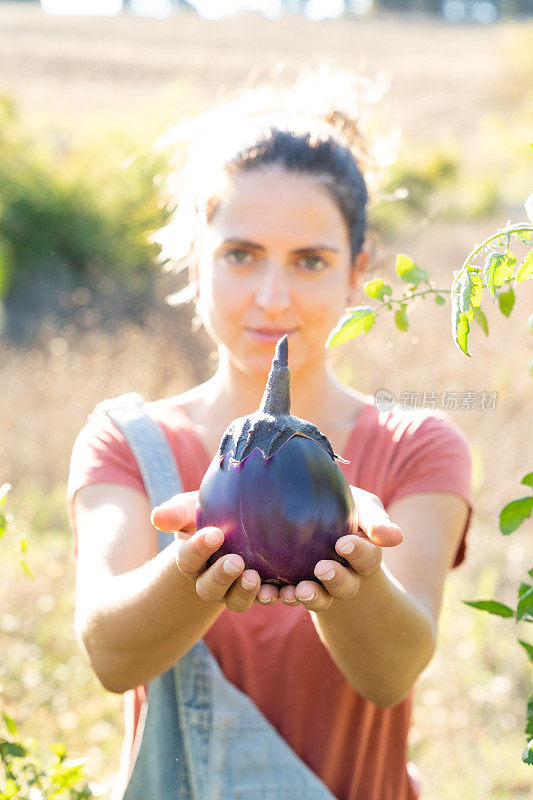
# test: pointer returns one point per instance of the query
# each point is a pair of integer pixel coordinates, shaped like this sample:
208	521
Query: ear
360	263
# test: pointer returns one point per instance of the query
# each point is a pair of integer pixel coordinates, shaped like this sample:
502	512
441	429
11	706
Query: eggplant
275	489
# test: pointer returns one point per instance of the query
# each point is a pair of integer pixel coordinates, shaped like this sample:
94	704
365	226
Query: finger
362	556
268	594
213	584
313	596
241	595
374	520
194	552
176	513
287	594
339	581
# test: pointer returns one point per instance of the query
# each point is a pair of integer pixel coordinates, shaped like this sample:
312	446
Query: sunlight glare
99	8
160	9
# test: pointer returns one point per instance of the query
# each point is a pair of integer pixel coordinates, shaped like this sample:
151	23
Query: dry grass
467	734
470	702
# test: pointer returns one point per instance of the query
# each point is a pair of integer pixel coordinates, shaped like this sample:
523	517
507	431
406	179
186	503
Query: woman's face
275	258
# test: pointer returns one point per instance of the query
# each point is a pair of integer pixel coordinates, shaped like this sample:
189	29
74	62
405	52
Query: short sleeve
434	456
100	454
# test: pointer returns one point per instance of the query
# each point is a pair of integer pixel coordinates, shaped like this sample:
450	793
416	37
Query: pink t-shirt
274	654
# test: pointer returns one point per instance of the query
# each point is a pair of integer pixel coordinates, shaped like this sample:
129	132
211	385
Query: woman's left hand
362	551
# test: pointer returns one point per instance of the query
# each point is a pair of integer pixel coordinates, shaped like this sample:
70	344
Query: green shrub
79	212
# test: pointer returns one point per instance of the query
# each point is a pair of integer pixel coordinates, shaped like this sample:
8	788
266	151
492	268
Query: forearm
381	639
139	623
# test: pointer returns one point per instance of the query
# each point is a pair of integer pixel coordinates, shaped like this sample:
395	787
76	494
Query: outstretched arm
379	617
139	611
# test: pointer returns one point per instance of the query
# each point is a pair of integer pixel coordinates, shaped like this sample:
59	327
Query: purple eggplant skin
283	513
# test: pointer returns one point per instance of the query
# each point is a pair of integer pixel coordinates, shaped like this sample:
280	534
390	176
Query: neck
315	390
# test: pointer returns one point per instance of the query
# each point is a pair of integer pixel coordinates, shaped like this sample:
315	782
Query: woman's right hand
226	581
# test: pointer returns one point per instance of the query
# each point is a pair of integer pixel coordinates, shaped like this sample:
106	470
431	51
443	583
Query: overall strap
150	448
201	738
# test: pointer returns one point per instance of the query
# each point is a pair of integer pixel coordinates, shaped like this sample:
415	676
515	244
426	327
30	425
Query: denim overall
199	737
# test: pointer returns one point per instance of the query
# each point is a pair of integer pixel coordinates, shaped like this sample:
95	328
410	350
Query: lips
269	334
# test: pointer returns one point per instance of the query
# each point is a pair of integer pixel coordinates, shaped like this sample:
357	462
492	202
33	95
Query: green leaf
68	773
463	289
26	568
13	749
400	318
492	263
527	480
10	789
524	236
525	604
59	749
10	724
504	270
4	491
514	513
476	289
408	271
525	270
481	320
377	288
439	299
492	606
498	269
529	712
527	755
528	648
506	302
469	287
460	326
357	321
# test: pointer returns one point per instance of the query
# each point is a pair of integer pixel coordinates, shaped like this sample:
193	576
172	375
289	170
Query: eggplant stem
276	399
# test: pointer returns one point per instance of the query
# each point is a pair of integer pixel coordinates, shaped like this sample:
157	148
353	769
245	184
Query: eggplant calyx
272	425
240	452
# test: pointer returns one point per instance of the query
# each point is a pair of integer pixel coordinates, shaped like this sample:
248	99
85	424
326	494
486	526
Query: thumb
176	513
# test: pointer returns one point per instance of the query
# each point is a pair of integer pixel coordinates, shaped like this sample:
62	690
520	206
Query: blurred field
75	78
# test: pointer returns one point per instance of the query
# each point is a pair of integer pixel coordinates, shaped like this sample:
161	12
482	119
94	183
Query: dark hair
312	128
320	155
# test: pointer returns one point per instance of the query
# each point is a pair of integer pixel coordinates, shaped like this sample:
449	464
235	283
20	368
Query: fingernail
229	567
266	600
346	548
212	538
247	584
327	576
307	599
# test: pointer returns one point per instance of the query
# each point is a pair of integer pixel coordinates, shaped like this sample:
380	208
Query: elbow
388	699
396	690
108	668
111	679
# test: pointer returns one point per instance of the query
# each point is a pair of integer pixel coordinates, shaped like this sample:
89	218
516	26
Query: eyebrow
299	251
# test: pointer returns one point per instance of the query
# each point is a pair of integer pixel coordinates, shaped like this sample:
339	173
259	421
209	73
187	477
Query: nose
273	293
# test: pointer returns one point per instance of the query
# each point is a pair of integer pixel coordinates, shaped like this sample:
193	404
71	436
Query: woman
278	248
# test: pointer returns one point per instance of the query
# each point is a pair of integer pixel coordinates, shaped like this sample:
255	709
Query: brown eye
311	263
237	255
